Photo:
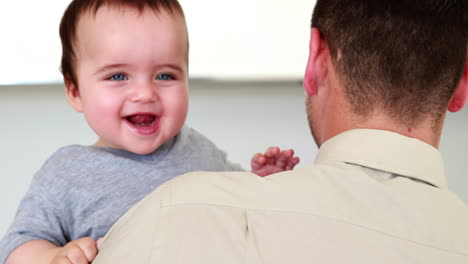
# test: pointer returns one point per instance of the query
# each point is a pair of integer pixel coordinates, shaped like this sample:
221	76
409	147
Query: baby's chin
144	149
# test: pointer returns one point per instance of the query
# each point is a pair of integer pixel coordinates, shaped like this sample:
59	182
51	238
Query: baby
125	66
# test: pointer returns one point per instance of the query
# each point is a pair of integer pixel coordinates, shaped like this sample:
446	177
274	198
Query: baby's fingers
88	247
99	241
284	157
61	260
272	152
258	161
80	251
76	256
292	162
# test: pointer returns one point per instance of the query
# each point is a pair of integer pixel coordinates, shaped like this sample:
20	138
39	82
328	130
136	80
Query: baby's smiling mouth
141	120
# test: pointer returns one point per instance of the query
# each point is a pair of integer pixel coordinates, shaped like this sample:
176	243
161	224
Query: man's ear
316	68
460	96
73	94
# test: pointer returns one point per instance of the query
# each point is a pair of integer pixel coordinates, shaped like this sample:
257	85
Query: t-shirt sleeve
37	217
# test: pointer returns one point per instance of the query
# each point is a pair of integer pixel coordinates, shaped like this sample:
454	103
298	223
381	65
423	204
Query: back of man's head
402	57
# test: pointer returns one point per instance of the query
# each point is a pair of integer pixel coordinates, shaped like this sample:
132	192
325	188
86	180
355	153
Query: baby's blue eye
118	77
164	77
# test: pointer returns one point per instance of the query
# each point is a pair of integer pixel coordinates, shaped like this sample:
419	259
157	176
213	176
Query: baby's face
132	76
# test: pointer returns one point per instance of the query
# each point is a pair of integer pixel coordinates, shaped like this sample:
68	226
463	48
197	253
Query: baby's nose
144	93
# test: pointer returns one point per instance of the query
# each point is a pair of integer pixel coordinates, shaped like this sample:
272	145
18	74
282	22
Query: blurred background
247	58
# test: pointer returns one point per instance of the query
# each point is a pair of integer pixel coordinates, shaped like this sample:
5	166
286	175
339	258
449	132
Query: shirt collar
386	151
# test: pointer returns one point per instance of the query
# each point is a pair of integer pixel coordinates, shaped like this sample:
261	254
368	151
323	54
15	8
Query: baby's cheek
176	107
104	120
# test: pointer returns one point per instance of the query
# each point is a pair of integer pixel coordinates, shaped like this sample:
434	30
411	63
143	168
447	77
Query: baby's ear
73	94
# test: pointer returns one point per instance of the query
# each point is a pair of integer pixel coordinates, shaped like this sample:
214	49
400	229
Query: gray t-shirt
82	190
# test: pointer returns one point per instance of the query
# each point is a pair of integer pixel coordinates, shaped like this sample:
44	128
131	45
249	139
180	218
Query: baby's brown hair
77	8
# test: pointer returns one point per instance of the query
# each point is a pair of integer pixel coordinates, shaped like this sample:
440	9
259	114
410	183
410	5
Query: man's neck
425	130
336	116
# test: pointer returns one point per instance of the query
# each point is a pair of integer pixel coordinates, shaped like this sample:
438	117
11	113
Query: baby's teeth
144	124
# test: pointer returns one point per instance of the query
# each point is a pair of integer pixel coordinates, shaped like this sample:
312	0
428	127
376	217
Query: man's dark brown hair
403	57
79	7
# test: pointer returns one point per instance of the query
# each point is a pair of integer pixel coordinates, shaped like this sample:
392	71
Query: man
380	77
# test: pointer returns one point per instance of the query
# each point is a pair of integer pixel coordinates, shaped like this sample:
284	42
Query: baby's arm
273	161
80	251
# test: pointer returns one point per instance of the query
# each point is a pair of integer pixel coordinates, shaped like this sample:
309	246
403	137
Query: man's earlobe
460	96
311	77
73	94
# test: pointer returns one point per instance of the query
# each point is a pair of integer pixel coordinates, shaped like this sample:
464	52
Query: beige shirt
371	197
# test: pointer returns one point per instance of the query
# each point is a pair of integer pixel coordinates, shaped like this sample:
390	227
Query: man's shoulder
340	195
206	187
243	189
336	191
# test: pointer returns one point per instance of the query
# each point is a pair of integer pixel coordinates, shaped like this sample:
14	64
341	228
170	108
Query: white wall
247	39
253	39
242	118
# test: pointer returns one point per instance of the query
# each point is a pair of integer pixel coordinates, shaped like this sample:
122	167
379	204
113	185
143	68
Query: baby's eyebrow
172	66
110	67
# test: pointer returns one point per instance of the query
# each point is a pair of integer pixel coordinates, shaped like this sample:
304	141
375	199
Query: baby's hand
80	251
273	161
